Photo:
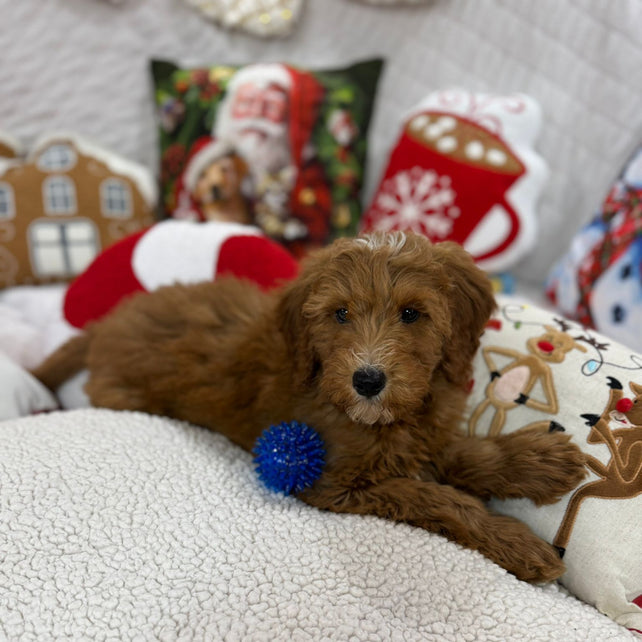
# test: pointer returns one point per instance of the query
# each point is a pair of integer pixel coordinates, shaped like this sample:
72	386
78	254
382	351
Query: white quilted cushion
123	526
83	65
20	393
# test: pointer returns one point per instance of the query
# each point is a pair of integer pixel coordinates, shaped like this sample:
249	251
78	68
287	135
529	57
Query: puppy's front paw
515	547
546	465
539	562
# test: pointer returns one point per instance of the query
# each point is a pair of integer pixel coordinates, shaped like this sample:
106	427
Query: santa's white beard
263	151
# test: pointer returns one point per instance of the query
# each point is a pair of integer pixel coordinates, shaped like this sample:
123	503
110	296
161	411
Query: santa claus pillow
175	252
464	169
273	145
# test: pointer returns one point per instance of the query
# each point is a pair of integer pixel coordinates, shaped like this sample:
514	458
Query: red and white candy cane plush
175	252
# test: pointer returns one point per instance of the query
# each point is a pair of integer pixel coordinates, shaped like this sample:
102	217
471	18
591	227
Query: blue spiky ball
289	457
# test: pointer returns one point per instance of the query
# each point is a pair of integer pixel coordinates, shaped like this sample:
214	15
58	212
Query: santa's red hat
305	97
205	151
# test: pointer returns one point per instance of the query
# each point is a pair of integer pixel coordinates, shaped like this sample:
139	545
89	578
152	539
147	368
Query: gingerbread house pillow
62	203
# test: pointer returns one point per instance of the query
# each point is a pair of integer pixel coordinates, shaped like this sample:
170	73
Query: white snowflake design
420	200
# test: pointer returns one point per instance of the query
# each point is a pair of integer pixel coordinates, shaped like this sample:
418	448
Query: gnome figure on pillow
291	197
464	170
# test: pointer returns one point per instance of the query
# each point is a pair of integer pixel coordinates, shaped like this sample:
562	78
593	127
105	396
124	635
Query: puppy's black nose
216	193
368	381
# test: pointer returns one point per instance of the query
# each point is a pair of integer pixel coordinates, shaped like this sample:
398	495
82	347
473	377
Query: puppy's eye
341	315
409	315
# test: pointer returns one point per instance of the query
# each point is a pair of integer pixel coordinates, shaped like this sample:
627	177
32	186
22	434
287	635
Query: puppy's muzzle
369	381
217	193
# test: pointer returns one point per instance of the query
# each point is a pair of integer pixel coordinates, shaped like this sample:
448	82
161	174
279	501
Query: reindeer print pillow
537	369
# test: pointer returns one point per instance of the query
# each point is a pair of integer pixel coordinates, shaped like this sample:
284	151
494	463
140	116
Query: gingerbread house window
56	158
116	200
7	202
59	195
62	248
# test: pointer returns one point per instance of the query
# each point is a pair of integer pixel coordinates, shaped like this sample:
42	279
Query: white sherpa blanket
122	526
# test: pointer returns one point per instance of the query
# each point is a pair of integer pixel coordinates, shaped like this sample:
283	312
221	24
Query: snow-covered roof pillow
538	371
62	203
10	147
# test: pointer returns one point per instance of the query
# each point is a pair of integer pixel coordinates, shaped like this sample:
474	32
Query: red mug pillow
464	170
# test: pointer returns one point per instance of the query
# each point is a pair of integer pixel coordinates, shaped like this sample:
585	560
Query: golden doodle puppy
218	191
372	346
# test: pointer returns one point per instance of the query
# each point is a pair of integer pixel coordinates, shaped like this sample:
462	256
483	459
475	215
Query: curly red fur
229	357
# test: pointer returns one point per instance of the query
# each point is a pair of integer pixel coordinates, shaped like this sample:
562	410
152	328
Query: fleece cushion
536	369
464	169
599	279
62	203
302	135
122	526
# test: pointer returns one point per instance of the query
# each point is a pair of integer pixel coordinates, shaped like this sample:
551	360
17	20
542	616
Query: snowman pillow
599	279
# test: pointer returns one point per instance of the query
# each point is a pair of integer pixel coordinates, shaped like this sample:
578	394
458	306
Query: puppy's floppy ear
471	304
294	325
240	166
